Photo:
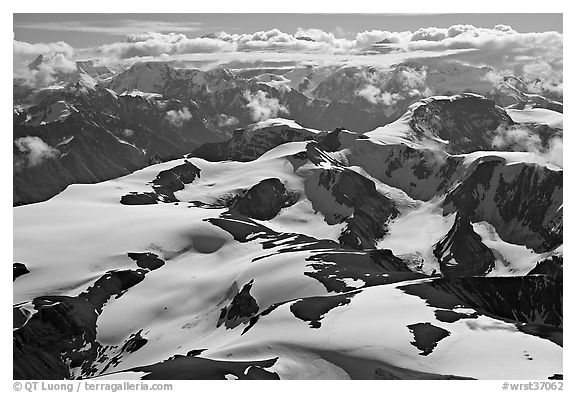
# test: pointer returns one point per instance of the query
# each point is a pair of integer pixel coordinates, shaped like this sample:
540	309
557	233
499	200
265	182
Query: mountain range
296	223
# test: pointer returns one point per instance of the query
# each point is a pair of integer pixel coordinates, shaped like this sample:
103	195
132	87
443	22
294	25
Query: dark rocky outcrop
264	200
371	210
533	300
331	140
522	201
427	336
19	269
164	185
248	145
369	267
174	179
143	198
552	266
51	341
241	309
147	260
197	368
466	120
134	342
313	309
462	253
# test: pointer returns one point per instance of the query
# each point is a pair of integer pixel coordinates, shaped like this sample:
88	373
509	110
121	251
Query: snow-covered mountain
293	222
93	134
285	252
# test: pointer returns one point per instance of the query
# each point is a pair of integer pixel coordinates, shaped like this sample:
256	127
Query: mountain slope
271	293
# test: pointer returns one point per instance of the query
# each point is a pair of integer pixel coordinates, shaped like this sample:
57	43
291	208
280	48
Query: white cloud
385	88
31	51
455	30
555	152
57	58
34	152
156	44
262	107
376	96
367	38
500	47
520	138
429	34
412	80
224	120
178	117
516	138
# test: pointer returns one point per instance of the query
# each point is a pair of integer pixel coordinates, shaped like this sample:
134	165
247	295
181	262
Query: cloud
429	34
34	151
381	87
157	44
224	120
44	76
367	38
499	47
555	152
413	81
531	81
56	58
178	117
128	132
520	138
516	138
262	107
455	30
376	96
31	51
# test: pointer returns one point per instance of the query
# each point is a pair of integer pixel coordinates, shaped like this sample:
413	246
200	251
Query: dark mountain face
523	202
462	253
370	209
466	122
247	145
264	200
220	92
535	301
104	136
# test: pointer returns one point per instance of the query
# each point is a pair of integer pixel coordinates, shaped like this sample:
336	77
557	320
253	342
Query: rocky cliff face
522	201
103	137
534	300
247	144
61	334
462	253
264	200
466	121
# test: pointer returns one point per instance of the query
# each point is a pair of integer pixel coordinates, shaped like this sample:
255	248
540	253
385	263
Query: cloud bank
262	107
500	47
178	117
405	82
56	58
34	151
520	138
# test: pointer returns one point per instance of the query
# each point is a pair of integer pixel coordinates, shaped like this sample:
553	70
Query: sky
528	45
87	30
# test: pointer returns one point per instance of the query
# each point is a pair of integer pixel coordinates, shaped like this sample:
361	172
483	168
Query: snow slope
239	292
537	115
